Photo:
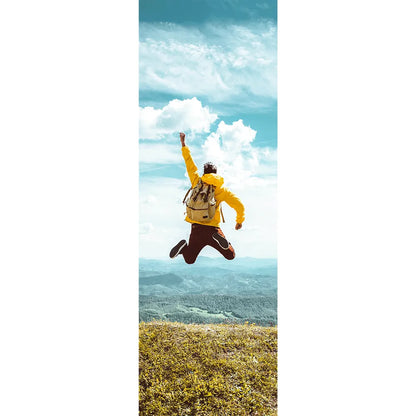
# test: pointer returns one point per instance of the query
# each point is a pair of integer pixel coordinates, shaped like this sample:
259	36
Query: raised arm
189	163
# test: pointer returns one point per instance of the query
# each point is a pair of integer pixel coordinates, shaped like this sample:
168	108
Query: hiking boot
221	240
177	249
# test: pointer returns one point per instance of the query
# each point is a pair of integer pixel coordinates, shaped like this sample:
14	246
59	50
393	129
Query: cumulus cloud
176	116
231	147
220	62
239	162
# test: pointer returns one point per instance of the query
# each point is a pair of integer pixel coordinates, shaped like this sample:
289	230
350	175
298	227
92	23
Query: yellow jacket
222	194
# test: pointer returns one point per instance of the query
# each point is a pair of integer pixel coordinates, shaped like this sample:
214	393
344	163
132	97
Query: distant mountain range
248	276
211	290
238	264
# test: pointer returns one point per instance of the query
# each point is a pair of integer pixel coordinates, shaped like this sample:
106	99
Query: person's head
209	167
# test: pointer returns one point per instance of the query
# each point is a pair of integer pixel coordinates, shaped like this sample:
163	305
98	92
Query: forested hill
213	290
245	276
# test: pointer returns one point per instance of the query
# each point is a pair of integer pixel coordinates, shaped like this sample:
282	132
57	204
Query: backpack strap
189	190
201	185
208	192
222	215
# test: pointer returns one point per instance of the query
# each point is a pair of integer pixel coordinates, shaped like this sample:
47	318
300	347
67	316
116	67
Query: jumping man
207	233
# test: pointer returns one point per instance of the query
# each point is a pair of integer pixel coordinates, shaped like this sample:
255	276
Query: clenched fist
182	137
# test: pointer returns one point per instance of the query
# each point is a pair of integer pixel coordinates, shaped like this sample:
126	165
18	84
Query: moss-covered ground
212	369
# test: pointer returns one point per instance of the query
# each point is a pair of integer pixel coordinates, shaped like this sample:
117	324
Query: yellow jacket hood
213	179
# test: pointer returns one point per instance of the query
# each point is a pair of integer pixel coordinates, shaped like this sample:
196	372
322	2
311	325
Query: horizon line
213	258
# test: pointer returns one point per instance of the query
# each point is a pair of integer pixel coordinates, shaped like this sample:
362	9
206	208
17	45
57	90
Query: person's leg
202	235
196	244
217	240
176	250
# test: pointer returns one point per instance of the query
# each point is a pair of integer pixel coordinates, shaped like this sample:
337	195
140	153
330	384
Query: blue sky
207	68
197	11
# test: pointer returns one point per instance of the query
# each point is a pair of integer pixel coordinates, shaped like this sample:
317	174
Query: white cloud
176	116
222	62
230	147
238	161
160	153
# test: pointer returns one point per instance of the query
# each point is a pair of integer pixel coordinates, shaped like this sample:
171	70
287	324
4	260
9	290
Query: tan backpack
201	205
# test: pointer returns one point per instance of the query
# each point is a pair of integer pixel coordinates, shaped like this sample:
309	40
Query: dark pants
201	236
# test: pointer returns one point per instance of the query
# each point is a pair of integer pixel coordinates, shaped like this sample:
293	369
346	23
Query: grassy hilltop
207	370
